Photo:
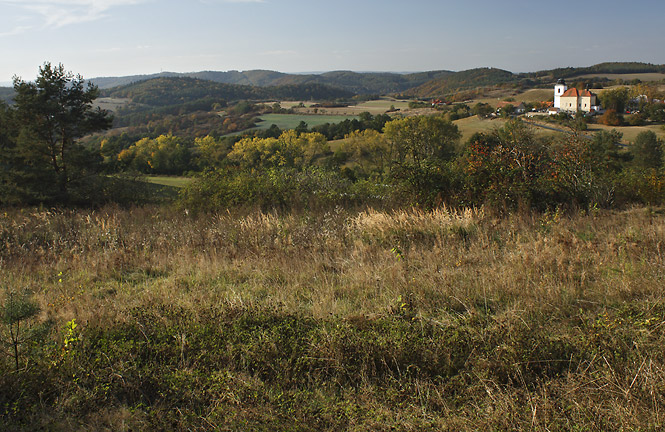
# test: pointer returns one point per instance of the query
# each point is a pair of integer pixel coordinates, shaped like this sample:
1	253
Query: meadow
629	132
471	125
365	319
170	181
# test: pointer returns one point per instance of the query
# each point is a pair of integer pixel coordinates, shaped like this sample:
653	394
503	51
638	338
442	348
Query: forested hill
423	84
356	82
265	84
465	80
491	77
601	68
167	91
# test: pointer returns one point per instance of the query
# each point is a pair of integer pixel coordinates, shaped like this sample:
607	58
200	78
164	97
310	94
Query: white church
574	100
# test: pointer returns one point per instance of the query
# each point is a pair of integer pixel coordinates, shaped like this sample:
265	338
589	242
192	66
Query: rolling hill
465	80
601	68
355	82
165	91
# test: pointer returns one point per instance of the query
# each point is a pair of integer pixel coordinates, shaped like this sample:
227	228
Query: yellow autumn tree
290	150
165	154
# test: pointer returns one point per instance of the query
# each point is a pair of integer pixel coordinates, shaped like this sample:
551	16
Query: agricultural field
374	107
383	105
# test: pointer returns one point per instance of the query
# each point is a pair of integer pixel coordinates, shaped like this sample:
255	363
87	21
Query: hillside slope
465	80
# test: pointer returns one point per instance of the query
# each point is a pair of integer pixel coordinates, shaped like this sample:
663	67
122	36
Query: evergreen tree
52	114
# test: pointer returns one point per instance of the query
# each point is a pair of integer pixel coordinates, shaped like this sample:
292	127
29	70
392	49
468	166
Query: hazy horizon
109	38
10	83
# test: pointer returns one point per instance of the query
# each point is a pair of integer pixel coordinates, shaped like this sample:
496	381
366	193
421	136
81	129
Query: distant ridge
423	84
419	84
172	91
356	82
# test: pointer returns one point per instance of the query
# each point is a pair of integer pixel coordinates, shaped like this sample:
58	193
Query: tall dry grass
571	285
337	263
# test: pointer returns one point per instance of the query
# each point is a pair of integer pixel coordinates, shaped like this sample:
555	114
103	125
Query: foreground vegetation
395	279
150	319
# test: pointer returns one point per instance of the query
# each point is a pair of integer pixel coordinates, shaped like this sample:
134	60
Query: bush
611	118
279	188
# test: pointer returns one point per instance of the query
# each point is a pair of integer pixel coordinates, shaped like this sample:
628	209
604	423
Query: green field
177	182
291	121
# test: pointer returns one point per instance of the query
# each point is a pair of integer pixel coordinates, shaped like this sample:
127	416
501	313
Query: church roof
573	92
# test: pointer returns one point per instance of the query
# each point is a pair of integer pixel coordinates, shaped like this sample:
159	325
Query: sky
98	38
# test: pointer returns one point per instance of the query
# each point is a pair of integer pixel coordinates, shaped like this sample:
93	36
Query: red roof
573	92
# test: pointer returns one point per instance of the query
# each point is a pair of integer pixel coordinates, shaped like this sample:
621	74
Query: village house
518	108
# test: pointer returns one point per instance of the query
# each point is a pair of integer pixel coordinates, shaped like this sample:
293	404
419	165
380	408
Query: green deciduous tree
420	140
482	110
420	149
615	99
52	114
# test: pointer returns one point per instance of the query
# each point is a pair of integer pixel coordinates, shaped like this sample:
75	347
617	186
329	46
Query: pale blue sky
126	37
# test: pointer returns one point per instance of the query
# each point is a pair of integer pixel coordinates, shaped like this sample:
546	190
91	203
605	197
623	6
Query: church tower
559	89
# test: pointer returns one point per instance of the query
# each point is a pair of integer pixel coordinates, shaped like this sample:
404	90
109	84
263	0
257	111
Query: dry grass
576	287
528	96
470	125
335	262
629	132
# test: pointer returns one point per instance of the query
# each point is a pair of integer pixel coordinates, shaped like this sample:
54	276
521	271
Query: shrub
611	118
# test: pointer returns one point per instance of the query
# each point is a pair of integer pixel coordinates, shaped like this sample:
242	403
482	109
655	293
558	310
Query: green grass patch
177	182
